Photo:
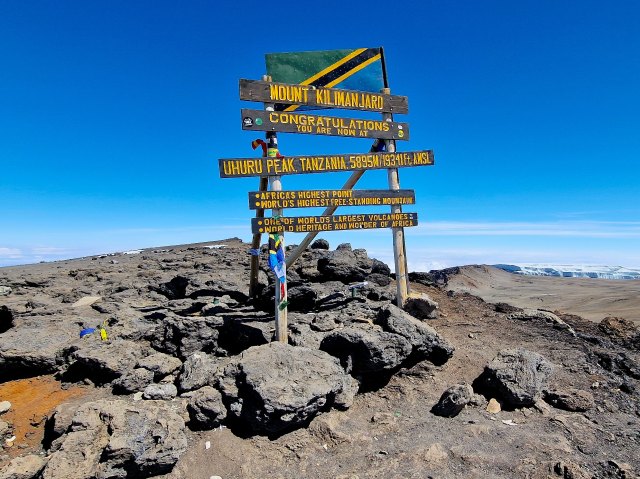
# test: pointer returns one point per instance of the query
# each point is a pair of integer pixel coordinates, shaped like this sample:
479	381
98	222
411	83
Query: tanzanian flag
360	69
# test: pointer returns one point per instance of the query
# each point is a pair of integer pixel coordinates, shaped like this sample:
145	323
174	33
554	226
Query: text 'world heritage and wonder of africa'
308	224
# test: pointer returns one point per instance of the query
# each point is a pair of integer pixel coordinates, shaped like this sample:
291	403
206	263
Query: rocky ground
189	383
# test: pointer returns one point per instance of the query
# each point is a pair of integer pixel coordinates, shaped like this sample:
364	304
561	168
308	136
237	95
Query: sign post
399	254
335	79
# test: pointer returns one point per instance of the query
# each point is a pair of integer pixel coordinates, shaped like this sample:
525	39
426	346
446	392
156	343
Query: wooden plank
297	165
326	198
288	94
304	244
308	124
305	224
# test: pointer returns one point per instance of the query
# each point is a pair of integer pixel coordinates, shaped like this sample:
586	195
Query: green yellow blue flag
360	69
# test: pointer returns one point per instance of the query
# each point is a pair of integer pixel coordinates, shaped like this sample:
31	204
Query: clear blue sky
113	115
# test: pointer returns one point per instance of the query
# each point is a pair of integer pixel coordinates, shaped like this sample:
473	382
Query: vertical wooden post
255	245
275	183
399	253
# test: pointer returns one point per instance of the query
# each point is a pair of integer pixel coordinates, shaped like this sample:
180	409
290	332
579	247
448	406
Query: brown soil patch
32	401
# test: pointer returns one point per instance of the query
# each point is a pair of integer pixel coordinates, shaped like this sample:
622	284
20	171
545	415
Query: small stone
160	391
86	301
5	290
472	336
494	406
4	406
138	396
435	453
453	400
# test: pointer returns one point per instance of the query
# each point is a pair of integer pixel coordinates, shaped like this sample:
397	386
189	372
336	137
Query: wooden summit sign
319	97
296	165
324	198
307	224
322	125
351	79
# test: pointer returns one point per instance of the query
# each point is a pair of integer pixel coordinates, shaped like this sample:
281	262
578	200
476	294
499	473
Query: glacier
572	271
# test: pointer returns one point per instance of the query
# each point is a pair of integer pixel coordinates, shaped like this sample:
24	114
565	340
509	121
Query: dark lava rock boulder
453	400
206	409
197	371
320	244
570	399
35	348
118	439
103	361
517	376
421	306
181	337
425	341
366	351
277	387
132	381
378	267
160	364
345	265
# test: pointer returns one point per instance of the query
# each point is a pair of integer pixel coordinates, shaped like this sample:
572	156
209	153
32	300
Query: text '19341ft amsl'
296	165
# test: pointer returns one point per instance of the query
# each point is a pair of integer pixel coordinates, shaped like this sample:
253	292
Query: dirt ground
391	432
32	402
593	299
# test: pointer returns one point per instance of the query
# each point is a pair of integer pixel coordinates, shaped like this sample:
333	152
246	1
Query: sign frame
305	224
308	124
302	165
321	97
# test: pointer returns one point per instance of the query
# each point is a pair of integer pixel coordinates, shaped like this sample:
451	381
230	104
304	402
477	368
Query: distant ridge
572	271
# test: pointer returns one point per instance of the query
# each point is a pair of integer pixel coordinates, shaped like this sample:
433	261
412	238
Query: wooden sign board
309	224
325	198
262	120
297	165
284	93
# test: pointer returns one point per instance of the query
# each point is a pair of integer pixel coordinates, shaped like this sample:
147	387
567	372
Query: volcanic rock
570	399
364	351
320	244
517	376
160	364
206	408
164	391
132	381
117	439
421	306
197	371
25	467
103	361
536	314
277	387
453	400
345	265
34	348
426	342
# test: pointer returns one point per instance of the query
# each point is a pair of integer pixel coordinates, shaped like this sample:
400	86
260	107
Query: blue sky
113	115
